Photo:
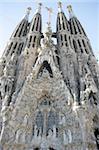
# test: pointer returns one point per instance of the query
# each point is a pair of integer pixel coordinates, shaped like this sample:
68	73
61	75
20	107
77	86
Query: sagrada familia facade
49	93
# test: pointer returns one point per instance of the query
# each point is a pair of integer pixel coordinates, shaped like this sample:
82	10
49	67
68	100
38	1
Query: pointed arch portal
46	66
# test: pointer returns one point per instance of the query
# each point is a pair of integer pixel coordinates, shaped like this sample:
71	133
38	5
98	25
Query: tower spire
27	12
70	10
38	10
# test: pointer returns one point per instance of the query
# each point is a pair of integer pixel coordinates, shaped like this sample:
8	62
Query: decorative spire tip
60	6
28	12
69	7
39	8
70	10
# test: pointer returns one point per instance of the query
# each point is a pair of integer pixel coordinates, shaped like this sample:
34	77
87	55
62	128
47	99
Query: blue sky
87	11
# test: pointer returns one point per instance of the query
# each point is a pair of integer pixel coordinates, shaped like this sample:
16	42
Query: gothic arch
46	66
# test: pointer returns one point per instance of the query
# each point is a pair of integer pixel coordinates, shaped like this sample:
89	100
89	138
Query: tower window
15	46
61	38
96	132
65	37
33	24
10	46
37	24
63	26
21	30
78	26
74	27
84	46
71	29
30	39
75	45
67	25
0	95
65	40
20	48
25	29
17	31
59	24
63	23
80	46
34	39
70	41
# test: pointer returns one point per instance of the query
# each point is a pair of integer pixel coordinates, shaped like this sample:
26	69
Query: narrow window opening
30	39
33	45
71	27
65	37
21	30
59	24
57	56
17	31
25	29
61	38
63	26
74	28
34	24
84	46
96	133
15	46
10	46
78	26
80	46
20	48
5	88
14	49
0	95
34	39
70	41
37	24
65	40
75	45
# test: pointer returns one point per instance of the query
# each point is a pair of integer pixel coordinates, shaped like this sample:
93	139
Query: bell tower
49	93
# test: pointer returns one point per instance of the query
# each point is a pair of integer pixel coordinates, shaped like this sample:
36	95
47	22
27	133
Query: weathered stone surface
49	94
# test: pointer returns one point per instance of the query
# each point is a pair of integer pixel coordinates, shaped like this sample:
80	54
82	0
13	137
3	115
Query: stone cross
50	11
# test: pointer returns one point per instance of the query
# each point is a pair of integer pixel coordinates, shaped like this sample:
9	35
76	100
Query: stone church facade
49	93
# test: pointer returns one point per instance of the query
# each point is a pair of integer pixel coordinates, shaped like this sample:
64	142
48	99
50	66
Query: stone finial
60	6
28	12
70	10
39	8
